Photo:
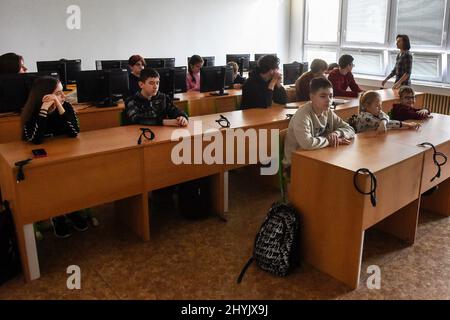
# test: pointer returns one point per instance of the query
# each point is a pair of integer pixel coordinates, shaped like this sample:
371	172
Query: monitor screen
154	63
166	80
109	64
241	59
291	72
229	77
212	79
252	66
72	68
180	79
55	66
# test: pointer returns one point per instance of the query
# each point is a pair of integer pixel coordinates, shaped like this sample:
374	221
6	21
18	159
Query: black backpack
9	254
194	198
276	247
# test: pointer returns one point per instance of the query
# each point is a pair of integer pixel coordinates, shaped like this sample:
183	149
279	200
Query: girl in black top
46	113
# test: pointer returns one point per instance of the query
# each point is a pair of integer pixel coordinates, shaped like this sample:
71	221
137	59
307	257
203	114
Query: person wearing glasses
151	107
403	64
263	87
135	64
342	78
405	110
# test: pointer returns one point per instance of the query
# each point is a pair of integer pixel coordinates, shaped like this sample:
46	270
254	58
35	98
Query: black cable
145	132
20	164
436	154
373	185
223	119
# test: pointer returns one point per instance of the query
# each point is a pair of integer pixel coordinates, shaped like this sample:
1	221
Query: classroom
225	150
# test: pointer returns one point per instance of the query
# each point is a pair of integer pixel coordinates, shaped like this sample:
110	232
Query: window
366	21
322	20
327	54
448	68
422	21
426	67
367	62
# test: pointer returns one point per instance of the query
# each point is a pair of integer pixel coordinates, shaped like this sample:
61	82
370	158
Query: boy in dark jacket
263	87
150	107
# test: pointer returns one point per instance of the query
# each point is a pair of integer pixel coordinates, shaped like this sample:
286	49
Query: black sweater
43	124
133	84
141	110
256	94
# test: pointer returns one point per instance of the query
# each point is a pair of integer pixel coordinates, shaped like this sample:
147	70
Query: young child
318	68
315	125
238	80
47	113
342	78
135	64
193	75
371	116
263	87
405	109
150	107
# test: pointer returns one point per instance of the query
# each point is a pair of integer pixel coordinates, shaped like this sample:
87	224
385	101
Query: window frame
349	50
324	47
306	24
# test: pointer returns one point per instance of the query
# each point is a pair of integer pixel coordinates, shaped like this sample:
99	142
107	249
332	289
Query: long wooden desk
334	226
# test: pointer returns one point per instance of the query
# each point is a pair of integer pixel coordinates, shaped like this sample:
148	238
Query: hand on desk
335	140
178	122
411	125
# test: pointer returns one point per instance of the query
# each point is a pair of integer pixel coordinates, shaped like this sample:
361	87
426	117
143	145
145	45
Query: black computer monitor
102	87
241	59
160	62
166	81
259	55
252	66
213	79
110	64
72	68
292	71
54	66
207	61
229	77
180	79
15	88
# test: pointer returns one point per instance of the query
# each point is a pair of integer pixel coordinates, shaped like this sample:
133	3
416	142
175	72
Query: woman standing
403	66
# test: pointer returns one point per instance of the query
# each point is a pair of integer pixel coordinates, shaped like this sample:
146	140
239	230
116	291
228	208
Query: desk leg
438	202
134	213
28	252
219	186
403	223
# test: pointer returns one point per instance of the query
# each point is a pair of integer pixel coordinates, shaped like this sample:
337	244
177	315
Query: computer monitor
291	72
252	66
102	87
15	88
213	79
72	68
207	61
166	81
229	77
241	59
180	79
259	55
110	64
154	63
54	66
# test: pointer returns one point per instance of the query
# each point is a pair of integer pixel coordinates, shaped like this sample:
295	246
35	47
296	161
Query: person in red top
342	78
405	109
318	68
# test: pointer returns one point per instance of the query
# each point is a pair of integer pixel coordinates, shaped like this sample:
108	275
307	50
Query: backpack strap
244	270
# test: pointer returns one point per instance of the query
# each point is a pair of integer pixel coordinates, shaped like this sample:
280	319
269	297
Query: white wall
296	30
116	29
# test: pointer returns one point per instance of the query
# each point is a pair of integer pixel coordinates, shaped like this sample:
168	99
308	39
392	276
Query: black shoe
79	222
60	227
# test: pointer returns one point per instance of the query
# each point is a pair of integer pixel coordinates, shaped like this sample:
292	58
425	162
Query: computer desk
333	226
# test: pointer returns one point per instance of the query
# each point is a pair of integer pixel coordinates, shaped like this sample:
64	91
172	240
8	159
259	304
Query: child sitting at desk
46	113
371	116
150	107
238	80
195	63
318	68
342	78
405	109
315	125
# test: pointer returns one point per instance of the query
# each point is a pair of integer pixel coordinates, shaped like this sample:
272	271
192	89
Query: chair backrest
281	176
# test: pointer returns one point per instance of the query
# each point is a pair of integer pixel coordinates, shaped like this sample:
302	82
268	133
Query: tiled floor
201	259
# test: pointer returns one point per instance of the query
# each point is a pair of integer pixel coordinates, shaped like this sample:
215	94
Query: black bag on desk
276	247
9	253
194	198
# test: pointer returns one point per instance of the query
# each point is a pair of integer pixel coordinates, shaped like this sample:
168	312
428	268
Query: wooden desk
333	226
197	103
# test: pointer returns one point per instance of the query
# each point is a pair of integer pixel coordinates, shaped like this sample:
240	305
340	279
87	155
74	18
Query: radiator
437	103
